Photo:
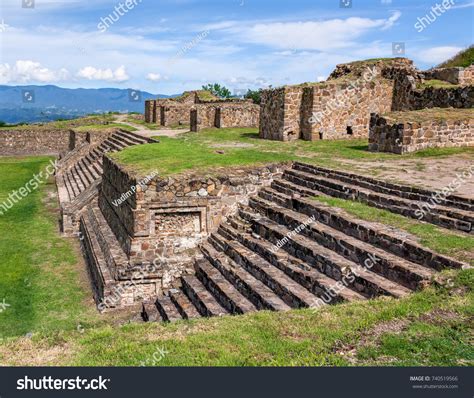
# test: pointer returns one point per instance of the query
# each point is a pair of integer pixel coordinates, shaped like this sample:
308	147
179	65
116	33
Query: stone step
227	295
184	306
288	188
249	286
202	299
410	275
119	142
328	262
293	294
86	172
92	167
396	197
69	189
150	313
78	177
313	280
126	140
440	215
72	184
138	139
167	309
404	191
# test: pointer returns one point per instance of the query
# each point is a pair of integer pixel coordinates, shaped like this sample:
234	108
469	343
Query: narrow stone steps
383	237
288	188
227	295
249	286
448	218
397	269
184	306
328	262
293	294
404	191
316	282
392	196
202	299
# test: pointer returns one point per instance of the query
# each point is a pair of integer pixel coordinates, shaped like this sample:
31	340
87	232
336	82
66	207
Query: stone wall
341	106
392	134
34	141
432	97
272	114
169	217
224	115
461	76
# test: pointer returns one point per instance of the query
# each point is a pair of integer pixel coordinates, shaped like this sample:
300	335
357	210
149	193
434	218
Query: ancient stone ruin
341	107
201	109
252	238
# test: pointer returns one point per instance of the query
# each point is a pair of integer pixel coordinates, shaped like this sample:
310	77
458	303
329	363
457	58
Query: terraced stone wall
223	114
34	141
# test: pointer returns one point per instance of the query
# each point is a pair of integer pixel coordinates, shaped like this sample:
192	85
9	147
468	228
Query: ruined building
200	109
341	107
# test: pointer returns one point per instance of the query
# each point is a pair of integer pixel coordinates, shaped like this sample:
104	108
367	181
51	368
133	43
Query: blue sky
168	46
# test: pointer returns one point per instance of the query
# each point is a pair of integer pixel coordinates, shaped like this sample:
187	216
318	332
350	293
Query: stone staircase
285	250
80	173
455	212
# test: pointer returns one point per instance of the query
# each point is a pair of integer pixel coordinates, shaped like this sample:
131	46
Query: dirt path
145	132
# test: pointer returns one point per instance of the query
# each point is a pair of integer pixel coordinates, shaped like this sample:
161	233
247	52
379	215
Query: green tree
218	90
254	95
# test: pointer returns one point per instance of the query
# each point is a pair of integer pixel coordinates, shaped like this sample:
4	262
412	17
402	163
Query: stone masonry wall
272	113
34	141
169	217
390	135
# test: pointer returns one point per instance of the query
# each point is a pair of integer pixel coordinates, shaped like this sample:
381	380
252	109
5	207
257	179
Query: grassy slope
428	328
38	278
463	59
199	152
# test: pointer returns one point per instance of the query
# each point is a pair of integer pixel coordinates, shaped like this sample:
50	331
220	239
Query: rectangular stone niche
178	222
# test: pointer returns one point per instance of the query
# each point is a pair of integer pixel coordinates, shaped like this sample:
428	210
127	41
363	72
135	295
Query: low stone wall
224	115
461	76
34	141
169	217
387	134
431	97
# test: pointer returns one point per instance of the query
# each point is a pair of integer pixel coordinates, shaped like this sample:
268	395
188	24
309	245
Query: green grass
436	84
198	152
38	278
443	241
339	335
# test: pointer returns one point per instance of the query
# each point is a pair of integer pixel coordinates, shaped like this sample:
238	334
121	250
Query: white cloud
91	73
311	35
27	71
436	55
154	77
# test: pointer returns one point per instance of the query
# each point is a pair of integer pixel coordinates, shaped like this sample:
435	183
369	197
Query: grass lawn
211	149
44	283
39	278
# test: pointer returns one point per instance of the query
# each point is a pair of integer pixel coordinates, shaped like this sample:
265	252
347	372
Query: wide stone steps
308	277
286	250
446	217
397	269
363	280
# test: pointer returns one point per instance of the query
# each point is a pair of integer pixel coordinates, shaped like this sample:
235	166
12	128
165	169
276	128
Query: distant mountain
44	103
